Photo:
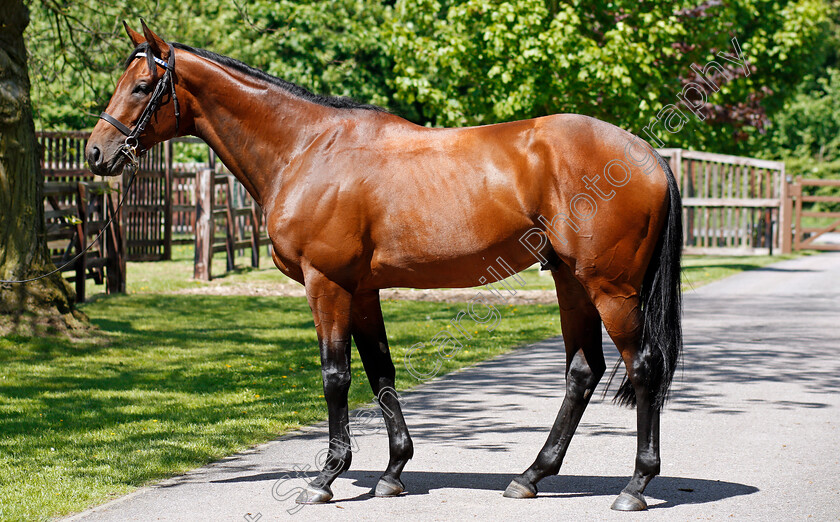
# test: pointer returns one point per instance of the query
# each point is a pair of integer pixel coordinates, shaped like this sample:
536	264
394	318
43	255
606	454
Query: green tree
464	62
75	54
809	125
482	61
330	47
805	133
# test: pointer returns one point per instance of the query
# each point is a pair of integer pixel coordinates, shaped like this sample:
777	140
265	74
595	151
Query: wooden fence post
81	233
204	224
785	211
796	192
255	235
167	202
675	162
230	228
115	245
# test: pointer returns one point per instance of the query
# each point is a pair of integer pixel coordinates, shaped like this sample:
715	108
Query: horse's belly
449	267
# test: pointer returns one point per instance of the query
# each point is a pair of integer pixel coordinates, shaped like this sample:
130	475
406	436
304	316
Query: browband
132	136
157	60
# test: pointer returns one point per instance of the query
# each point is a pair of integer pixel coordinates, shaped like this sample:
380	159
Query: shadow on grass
170	382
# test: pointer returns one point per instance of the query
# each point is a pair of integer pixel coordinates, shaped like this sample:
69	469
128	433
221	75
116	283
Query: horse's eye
141	88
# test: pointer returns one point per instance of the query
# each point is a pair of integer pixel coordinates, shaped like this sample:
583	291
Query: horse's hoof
629	502
517	490
314	495
388	487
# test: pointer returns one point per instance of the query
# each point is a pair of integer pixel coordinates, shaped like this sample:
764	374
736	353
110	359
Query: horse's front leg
330	306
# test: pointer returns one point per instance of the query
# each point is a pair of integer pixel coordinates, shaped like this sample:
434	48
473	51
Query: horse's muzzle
103	162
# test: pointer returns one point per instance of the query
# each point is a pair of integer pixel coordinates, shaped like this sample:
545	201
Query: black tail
661	299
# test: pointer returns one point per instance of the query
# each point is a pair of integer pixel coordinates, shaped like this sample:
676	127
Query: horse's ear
158	46
135	37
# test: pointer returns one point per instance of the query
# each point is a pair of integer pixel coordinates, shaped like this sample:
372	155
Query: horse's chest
286	247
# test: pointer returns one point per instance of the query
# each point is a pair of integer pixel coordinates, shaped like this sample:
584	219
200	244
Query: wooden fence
77	205
216	200
160	209
807	208
148	216
731	204
145	217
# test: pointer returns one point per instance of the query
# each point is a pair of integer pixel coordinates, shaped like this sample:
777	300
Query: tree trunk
46	304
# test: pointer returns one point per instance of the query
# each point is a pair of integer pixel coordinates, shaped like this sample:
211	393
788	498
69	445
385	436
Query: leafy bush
463	62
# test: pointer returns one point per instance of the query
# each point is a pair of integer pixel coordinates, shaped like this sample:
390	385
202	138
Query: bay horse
357	199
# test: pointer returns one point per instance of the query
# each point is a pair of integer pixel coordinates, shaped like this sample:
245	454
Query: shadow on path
677	490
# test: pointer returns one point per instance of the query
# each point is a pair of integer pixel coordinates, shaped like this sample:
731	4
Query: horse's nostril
95	156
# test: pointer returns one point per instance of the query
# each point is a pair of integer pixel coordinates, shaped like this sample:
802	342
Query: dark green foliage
467	62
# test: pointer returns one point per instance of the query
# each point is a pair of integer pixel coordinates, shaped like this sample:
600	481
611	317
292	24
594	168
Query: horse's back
498	180
426	207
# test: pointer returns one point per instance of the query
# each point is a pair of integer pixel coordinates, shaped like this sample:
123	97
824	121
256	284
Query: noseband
132	148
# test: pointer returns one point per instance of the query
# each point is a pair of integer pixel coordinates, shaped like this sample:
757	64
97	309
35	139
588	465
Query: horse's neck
255	135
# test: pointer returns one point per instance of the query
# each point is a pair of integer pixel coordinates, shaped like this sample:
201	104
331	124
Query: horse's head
143	110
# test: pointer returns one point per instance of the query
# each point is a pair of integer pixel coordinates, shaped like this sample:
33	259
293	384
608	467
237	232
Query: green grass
696	270
170	382
174	275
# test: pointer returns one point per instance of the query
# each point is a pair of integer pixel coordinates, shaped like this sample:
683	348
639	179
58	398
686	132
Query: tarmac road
752	431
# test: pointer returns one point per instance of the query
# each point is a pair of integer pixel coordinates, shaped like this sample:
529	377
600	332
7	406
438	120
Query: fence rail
731	204
805	237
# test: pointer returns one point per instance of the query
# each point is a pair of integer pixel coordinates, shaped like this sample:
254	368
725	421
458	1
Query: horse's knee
336	384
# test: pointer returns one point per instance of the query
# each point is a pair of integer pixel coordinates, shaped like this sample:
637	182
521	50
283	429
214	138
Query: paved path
753	430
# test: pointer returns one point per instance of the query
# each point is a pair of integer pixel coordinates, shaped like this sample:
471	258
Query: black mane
337	102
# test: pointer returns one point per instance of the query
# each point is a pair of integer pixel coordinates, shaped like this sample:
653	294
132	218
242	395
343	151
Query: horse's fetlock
648	464
403	447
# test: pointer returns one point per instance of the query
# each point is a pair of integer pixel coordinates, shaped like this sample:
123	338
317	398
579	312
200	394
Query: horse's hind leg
622	319
584	367
368	329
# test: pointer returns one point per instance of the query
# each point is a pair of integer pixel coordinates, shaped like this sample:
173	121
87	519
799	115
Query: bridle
132	147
